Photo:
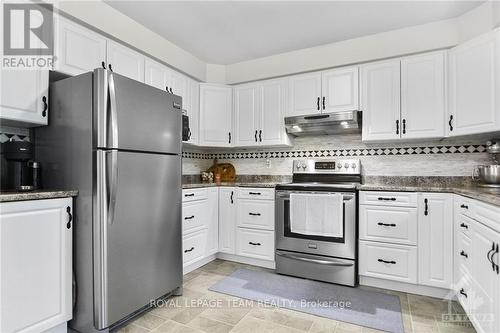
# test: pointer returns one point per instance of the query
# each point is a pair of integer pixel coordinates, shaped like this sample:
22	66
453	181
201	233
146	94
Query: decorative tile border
355	152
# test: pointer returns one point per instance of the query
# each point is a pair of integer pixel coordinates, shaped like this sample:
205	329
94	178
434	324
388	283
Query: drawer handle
386	224
464	206
189	195
386	199
189	217
463	225
252	243
463	254
191	249
254	214
392	262
462	291
254	193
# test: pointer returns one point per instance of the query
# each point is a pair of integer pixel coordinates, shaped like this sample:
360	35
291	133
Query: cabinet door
212	221
125	61
215	115
340	90
422	96
435	240
78	50
380	101
24	97
179	84
156	74
227	219
484	303
193	110
35	265
305	94
474	86
246	112
272	112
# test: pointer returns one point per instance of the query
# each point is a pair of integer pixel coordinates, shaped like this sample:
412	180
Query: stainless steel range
316	221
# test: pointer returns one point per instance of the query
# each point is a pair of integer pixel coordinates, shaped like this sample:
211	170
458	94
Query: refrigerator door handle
112	170
100	244
113	111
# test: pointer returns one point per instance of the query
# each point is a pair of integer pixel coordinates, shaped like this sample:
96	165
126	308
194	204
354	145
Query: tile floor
200	310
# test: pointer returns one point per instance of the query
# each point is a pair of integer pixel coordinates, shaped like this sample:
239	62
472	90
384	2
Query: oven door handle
315	261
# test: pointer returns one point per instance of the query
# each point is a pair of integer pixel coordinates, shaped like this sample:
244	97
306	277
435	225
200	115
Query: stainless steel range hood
324	123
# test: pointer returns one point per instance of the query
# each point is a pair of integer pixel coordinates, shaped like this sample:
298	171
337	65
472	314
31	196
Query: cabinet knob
426	208
404	126
324	99
103	64
397	126
70	217
450	122
110	68
317	103
256	135
260	135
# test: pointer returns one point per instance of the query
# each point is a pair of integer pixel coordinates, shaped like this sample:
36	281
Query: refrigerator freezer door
130	115
137	235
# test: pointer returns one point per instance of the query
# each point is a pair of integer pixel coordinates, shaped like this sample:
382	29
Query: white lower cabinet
35	264
435	239
388	261
193	246
255	243
227	220
257	214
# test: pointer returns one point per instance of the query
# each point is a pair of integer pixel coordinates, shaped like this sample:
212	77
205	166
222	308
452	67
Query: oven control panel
327	166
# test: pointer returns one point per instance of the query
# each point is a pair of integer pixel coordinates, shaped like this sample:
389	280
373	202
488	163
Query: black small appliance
23	174
186	131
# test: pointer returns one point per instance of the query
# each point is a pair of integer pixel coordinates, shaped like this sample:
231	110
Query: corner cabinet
216	128
474	86
259	110
35	264
227	220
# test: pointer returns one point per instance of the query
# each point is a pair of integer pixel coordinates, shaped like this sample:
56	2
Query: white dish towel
317	214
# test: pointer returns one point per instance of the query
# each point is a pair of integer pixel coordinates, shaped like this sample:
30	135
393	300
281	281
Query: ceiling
227	32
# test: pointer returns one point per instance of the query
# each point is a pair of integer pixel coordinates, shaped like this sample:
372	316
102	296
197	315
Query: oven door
339	247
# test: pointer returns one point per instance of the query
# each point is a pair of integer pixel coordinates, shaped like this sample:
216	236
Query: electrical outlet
268	163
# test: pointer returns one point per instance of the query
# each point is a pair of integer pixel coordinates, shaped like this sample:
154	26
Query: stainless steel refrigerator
118	142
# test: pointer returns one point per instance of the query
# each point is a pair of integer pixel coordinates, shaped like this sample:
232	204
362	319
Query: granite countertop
457	185
35	195
230	184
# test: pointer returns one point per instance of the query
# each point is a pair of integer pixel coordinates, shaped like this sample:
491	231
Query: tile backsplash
450	157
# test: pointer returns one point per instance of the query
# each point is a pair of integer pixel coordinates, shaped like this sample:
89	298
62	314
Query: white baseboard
198	264
247	260
406	287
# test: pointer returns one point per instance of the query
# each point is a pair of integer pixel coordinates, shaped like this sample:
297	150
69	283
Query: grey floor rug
353	305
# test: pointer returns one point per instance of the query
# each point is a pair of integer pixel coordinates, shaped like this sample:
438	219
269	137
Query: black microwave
186	132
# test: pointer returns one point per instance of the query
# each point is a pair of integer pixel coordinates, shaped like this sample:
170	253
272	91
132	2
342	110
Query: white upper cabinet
179	84
259	110
215	115
423	96
192	106
273	100
435	239
156	74
474	86
24	97
247	115
78	50
340	90
305	94
380	100
125	61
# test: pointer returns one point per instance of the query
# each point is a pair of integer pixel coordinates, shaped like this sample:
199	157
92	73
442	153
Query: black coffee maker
22	174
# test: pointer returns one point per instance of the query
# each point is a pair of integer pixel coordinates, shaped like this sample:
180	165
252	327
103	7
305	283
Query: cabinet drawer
388	224
194	215
463	225
255	243
257	214
463	253
193	246
194	194
388	261
486	214
256	193
401	199
463	288
463	205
